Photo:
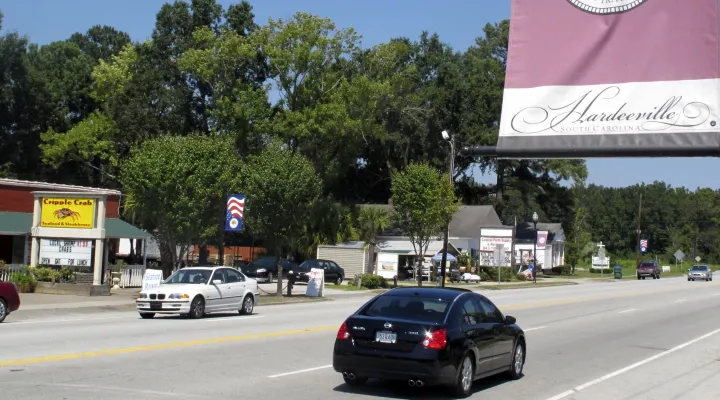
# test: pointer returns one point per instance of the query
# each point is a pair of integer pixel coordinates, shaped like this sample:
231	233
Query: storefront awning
15	223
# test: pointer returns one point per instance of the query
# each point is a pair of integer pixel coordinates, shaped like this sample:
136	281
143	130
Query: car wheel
339	280
638	277
247	305
147	315
3	310
197	308
358	381
466	376
270	277
518	361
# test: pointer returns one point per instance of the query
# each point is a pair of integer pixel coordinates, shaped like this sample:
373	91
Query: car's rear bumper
646	273
431	372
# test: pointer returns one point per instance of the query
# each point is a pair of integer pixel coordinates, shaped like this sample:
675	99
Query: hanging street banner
643	245
234	212
620	78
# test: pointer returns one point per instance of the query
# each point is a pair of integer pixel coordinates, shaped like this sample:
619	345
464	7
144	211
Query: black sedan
265	269
333	272
429	336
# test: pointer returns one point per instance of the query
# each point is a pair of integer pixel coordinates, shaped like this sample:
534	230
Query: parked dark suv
264	268
648	268
333	272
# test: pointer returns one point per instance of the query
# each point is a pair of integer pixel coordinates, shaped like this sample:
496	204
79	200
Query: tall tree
281	187
423	201
178	185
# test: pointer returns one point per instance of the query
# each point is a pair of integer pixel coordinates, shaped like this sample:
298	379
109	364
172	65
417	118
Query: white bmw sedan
196	291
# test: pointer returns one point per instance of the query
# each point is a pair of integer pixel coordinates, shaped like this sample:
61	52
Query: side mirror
217	282
510	320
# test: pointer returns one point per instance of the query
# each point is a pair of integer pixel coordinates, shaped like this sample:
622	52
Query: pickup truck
648	268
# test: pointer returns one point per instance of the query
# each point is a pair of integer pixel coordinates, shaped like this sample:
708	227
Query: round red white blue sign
606	6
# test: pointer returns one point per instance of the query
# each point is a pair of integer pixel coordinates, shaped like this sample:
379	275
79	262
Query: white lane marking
716	294
627	311
228	318
101	389
300	371
534	329
633	366
681	300
52	321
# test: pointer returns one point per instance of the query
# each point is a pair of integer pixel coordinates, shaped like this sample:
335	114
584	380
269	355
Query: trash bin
618	272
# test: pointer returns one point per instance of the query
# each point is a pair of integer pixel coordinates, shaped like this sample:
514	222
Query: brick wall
20	199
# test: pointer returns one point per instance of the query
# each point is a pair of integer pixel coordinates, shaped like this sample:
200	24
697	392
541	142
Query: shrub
24	279
506	275
370	281
561	270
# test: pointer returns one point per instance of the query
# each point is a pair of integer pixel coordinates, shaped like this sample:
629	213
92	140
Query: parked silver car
700	272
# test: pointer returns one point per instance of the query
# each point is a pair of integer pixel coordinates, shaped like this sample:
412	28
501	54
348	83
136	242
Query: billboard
59	212
599	78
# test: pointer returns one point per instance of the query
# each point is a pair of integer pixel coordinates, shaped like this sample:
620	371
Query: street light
535	221
451	168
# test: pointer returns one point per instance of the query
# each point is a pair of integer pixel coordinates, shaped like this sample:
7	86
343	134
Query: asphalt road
621	340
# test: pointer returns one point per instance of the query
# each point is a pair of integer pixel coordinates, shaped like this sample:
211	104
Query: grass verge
271	299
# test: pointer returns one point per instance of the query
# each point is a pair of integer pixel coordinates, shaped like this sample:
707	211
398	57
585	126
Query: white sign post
152	279
316	283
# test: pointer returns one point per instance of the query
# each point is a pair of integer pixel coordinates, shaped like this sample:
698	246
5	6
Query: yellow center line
201	342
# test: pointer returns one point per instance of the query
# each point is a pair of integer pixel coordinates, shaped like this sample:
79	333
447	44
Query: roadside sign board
152	279
679	255
698	258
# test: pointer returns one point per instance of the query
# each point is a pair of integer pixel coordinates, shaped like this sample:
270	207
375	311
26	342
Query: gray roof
555	231
467	222
347	245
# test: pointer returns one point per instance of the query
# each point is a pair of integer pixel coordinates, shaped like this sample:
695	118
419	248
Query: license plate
386	337
155	305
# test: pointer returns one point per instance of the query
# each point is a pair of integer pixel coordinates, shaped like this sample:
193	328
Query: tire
270	277
147	315
3	310
197	308
339	280
465	378
358	381
518	362
248	305
638	277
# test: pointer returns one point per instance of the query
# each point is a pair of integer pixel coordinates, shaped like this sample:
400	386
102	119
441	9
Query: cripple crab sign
612	78
67	213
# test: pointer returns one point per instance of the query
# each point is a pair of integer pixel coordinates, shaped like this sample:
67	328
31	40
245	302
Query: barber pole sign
234	212
601	78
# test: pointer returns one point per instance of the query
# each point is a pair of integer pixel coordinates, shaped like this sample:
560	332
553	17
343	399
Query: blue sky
458	22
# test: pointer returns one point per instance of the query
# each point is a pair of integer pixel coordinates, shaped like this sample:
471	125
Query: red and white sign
601	78
542	237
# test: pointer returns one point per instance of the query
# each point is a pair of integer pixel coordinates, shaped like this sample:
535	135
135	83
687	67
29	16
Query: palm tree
371	222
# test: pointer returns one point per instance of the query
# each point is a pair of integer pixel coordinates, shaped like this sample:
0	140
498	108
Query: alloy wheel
466	374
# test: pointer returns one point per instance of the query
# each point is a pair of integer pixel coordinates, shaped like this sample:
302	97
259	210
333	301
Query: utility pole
637	231
451	169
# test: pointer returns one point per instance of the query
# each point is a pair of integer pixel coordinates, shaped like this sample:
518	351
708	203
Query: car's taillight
343	333
435	340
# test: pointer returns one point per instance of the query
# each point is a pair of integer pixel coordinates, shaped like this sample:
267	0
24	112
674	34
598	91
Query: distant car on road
648	268
196	291
427	336
9	299
700	272
264	268
333	272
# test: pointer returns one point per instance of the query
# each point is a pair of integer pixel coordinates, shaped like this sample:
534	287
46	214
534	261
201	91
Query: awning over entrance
15	223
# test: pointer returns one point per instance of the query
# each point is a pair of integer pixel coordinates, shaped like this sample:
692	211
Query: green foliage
370	281
281	186
179	185
24	279
490	274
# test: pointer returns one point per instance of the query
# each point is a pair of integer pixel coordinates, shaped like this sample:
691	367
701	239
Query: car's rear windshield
308	265
409	307
647	265
264	262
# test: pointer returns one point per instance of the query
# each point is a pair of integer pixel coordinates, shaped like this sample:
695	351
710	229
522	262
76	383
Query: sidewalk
41	301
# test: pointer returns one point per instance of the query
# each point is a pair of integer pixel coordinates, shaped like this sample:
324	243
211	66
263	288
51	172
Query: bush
24	279
370	281
561	270
507	274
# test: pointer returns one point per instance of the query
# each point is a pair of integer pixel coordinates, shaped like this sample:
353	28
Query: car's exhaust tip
349	375
411	383
419	383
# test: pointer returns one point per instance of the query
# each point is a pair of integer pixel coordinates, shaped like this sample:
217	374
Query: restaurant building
61	225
